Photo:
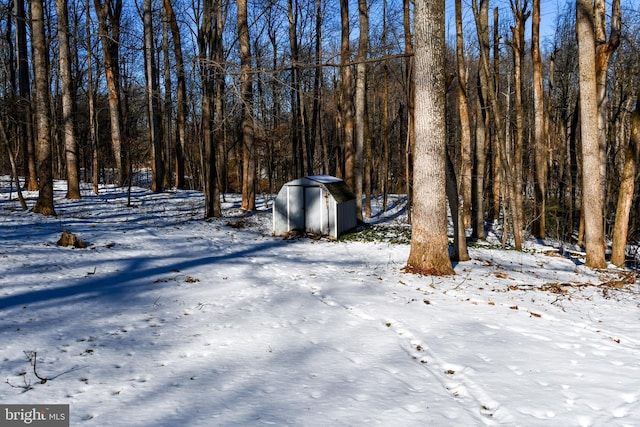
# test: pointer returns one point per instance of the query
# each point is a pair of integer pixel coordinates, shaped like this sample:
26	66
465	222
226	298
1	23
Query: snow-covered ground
169	320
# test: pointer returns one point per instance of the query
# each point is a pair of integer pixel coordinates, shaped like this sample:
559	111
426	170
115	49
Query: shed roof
336	186
325	179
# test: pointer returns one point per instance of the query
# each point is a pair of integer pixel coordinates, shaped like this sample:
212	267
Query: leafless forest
541	128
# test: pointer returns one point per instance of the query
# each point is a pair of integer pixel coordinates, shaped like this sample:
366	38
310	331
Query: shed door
316	210
294	212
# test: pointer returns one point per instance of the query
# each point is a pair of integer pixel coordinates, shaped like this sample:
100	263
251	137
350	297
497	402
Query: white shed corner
321	205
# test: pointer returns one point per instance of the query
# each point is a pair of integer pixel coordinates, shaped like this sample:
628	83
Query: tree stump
70	239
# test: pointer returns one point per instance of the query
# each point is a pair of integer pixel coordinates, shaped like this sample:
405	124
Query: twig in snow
33	359
25	387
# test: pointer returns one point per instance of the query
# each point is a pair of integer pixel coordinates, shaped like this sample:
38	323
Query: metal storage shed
316	204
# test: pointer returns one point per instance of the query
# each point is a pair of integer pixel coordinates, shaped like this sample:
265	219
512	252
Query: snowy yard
169	320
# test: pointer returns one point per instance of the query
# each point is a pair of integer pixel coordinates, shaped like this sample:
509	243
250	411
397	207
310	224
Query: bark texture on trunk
246	94
109	14
464	176
539	130
429	241
70	143
44	204
153	100
592	179
346	97
627	190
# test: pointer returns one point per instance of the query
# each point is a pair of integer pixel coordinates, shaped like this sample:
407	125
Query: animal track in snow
455	379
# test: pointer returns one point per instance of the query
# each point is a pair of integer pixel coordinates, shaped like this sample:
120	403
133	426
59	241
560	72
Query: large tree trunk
44	204
246	96
70	143
592	180
429	241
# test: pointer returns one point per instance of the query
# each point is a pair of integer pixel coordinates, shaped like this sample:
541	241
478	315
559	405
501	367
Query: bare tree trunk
246	96
592	196
429	241
26	111
44	204
411	137
360	105
489	91
519	8
465	126
276	174
316	114
181	103
539	129
167	106
604	52
70	143
14	168
385	115
93	132
346	99
574	200
95	164
460	252
298	141
385	140
219	133
493	144
505	170
627	191
109	14
208	32
368	165
477	189
481	15
153	97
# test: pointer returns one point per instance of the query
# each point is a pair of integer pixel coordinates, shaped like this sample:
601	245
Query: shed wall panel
346	213
280	213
